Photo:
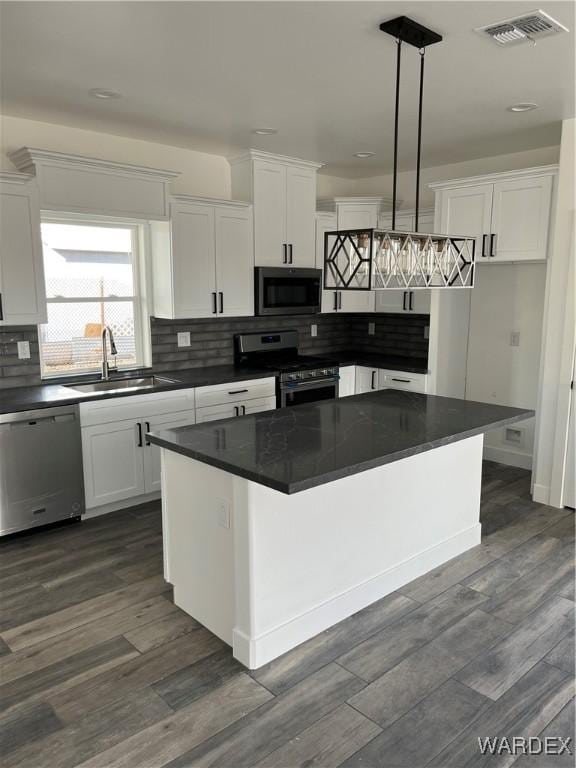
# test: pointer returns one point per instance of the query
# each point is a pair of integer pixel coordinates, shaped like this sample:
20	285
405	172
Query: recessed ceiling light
265	131
104	93
523	107
364	154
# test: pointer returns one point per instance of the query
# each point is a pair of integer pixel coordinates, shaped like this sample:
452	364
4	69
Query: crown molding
15	177
469	181
28	158
257	154
217	202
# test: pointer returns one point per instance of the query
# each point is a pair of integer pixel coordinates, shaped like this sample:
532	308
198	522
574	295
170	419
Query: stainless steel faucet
113	351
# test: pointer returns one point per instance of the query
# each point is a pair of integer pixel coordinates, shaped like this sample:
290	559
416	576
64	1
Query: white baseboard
508	456
541	493
258	651
105	509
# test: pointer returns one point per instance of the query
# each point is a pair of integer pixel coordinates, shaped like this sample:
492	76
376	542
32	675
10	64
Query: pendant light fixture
374	259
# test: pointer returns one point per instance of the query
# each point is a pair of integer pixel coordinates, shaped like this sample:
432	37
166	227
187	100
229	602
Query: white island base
265	571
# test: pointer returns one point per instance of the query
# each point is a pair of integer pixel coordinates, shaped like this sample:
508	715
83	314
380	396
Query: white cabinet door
300	209
22	289
193	254
366	379
257	406
357	216
347	383
466	211
113	462
411	382
520	219
356	301
215	412
403	302
234	262
269	214
152	452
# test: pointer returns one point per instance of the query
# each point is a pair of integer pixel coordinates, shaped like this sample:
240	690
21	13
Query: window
92	279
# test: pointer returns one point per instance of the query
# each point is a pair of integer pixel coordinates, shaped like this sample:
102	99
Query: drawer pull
237	391
404	381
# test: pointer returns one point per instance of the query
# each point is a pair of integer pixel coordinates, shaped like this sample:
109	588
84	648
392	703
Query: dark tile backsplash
13	371
212	340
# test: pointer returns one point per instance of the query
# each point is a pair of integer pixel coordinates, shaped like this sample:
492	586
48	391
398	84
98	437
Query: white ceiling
203	74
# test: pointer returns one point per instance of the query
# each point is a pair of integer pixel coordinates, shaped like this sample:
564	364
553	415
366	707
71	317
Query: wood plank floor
99	669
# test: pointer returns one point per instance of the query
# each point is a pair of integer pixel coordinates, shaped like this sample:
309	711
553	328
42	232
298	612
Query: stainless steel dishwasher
41	475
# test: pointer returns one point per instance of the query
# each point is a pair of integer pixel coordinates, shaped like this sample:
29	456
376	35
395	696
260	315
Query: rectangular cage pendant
372	259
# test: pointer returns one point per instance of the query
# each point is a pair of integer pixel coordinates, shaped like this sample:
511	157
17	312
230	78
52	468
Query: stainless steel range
300	378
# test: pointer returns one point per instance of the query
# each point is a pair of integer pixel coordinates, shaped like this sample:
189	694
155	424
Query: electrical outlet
515	436
184	338
313	330
371	329
223	513
24	350
515	339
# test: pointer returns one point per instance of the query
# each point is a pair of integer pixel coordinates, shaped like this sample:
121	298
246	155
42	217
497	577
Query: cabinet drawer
415	382
235	391
136	406
230	410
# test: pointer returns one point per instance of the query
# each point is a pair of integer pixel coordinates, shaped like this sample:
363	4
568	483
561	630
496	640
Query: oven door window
300	396
289	292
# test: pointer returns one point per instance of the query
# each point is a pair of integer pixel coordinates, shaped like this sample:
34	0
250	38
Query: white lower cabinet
366	379
238	408
413	382
347	383
152	452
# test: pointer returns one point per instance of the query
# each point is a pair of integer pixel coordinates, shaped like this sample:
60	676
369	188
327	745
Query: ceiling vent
529	27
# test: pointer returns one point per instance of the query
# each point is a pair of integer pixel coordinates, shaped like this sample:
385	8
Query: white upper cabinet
283	191
508	214
22	288
202	260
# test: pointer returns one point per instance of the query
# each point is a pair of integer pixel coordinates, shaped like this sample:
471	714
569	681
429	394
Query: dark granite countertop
293	449
48	395
387	362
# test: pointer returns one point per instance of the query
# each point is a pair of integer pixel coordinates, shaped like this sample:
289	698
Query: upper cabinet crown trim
217	202
27	158
15	177
329	204
539	170
256	154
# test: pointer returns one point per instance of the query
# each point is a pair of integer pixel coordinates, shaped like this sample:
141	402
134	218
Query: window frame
141	285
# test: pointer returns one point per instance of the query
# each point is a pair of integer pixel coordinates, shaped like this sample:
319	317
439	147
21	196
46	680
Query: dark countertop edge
69	397
329	477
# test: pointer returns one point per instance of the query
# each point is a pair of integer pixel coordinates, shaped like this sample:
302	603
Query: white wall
201	173
506	298
330	186
559	333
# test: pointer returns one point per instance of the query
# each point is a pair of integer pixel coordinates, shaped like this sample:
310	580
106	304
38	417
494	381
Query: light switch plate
24	350
313	330
184	339
371	329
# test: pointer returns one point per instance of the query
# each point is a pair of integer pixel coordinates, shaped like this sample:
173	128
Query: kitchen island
280	524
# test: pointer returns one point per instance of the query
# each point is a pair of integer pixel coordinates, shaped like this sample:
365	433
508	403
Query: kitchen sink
121	385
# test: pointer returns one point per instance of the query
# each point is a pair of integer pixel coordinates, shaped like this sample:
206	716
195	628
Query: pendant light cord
419	152
395	178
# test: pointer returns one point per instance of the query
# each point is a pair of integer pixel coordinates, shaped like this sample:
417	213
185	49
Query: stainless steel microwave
287	290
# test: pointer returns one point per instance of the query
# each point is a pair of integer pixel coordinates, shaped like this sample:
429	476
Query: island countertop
293	449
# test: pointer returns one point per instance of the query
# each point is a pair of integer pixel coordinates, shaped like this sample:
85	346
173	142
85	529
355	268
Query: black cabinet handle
221	295
373	380
492	244
284	253
404	301
484	238
139	427
243	410
235	410
237	391
291	253
339	299
404	381
147	430
410	300
335	301
214	304
1	309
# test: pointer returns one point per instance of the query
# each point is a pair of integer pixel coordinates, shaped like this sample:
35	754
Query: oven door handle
310	383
